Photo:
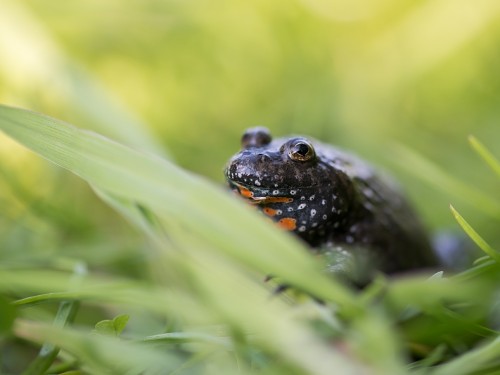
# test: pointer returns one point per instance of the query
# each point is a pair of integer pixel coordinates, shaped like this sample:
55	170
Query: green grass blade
65	315
487	156
224	225
48	353
474	236
50	286
101	353
225	293
182	337
435	176
476	271
471	362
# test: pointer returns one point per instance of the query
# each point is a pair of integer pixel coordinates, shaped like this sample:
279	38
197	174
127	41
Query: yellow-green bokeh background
361	74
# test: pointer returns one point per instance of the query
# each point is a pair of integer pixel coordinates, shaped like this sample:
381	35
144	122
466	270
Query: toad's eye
301	150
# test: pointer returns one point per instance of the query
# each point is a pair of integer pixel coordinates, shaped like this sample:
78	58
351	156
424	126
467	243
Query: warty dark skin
335	202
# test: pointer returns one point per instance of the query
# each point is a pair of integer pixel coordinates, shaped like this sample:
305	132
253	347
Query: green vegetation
124	254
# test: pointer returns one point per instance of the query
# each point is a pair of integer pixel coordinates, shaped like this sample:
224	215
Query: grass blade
471	362
209	213
65	315
487	156
474	236
437	177
102	354
48	353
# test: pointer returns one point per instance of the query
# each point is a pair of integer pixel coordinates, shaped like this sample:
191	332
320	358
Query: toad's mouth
258	196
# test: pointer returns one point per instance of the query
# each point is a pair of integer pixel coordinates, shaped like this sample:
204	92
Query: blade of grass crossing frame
101	354
478	240
48	353
435	176
65	315
171	192
471	362
487	156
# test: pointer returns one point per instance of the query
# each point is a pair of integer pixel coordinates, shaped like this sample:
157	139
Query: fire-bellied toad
331	199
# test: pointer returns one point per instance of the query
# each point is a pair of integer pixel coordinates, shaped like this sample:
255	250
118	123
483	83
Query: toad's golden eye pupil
301	151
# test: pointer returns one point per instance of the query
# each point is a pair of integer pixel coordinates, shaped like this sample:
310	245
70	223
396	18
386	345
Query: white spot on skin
276	192
302	228
290	209
293	192
302	198
313	212
314	225
311	198
325	217
275	185
239	175
279	212
302	206
257	183
323	202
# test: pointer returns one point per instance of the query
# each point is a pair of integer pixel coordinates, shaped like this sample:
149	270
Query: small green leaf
112	327
485	154
474	236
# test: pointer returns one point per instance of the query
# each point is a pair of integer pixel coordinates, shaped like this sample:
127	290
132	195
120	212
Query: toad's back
331	199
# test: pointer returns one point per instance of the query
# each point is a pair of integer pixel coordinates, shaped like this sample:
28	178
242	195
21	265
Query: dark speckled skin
331	199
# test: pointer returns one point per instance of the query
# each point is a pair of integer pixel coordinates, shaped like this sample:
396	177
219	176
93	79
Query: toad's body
329	198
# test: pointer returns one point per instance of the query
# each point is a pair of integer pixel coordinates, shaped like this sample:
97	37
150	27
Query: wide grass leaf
205	210
103	354
220	245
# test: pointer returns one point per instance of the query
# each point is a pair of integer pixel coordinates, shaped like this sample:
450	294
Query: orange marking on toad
269	211
288	223
278	200
245	192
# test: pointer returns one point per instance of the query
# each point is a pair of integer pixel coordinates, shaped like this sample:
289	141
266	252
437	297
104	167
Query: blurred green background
183	79
361	74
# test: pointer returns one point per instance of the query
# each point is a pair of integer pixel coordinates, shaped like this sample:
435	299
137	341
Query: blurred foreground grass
204	281
365	76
